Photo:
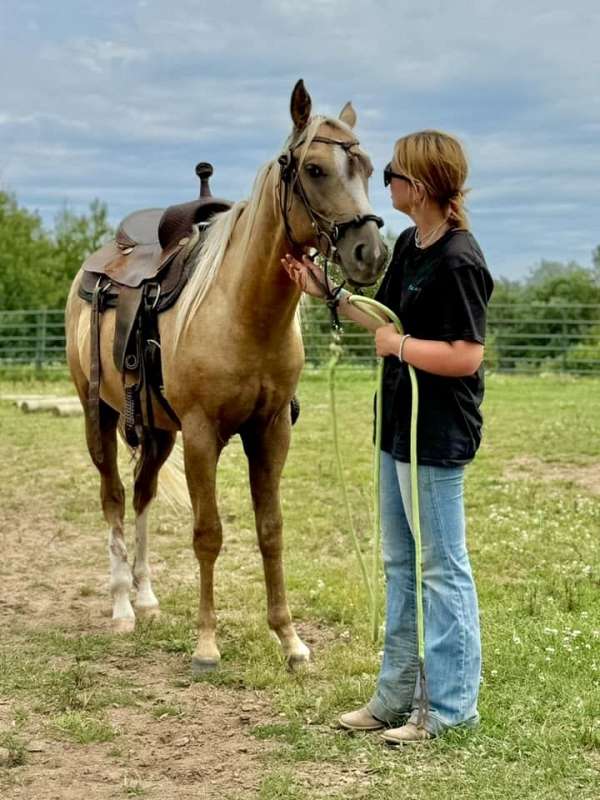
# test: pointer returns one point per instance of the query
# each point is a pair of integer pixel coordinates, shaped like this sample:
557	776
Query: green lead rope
383	314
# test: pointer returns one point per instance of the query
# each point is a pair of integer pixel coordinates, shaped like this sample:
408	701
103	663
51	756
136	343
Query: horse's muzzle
362	254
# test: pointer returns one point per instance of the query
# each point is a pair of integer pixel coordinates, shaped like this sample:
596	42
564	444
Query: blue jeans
452	640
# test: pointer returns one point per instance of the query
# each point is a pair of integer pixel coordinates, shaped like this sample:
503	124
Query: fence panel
32	337
520	338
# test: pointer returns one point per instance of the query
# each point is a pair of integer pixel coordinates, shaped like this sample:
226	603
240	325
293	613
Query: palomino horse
231	358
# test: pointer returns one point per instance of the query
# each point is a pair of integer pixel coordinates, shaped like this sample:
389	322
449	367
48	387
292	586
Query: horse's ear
348	115
300	106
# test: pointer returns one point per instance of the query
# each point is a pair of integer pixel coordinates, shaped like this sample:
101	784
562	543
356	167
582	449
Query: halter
327	231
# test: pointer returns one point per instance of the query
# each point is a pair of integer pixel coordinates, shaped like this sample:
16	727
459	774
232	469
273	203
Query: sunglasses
388	175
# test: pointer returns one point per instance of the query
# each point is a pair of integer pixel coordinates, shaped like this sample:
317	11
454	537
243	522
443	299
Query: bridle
327	231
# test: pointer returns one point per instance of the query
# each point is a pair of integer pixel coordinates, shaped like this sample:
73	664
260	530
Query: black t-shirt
439	293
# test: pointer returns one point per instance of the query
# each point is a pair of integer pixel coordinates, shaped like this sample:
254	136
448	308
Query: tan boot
407	734
360	720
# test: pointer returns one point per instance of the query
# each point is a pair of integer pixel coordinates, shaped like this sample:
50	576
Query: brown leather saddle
148	240
142	273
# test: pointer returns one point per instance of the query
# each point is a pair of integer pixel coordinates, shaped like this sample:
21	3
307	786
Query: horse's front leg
266	445
201	453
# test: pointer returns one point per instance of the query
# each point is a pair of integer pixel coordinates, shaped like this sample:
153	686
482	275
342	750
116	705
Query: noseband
327	231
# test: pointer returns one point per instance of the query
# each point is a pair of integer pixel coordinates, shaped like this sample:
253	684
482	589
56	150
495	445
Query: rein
382	314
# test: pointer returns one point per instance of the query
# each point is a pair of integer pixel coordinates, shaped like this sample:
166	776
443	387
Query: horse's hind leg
266	448
112	495
155	451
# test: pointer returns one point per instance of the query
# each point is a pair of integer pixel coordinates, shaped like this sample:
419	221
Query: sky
119	100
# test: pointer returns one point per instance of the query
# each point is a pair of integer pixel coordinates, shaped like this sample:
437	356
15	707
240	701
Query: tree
27	257
75	237
596	263
555	282
37	266
546	315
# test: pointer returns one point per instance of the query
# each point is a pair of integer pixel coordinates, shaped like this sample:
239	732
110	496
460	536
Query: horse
232	353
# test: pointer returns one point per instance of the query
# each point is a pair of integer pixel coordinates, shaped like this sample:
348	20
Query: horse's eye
314	171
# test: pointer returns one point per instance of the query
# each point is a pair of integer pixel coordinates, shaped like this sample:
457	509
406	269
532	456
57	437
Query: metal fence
520	338
33	338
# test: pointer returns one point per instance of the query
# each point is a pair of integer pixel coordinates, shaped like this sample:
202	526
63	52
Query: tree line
37	265
547	318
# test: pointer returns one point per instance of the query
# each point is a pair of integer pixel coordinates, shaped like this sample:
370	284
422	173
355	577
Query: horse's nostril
359	252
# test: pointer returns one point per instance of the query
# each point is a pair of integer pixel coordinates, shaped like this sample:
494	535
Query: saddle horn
204	170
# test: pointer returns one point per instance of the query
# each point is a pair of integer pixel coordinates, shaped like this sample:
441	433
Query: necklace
423	241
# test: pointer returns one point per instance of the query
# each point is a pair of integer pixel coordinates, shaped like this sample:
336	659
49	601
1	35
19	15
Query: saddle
147	241
141	273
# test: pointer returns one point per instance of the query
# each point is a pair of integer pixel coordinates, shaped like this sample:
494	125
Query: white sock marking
141	566
120	576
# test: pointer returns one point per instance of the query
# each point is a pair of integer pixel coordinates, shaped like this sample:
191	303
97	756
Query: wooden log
46	404
67	410
17	399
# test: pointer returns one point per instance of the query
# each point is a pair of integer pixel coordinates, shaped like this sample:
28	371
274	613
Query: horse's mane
221	228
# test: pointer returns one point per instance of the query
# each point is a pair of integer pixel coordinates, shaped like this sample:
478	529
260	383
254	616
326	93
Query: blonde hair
437	160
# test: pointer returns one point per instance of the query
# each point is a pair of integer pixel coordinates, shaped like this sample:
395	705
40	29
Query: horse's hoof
200	666
299	662
148	612
123	625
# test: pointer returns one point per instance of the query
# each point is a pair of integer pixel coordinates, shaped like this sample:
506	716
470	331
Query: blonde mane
223	225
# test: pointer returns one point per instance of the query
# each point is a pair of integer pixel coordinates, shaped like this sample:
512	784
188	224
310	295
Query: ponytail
457	214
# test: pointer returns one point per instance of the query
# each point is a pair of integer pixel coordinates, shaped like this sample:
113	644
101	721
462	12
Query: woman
439	285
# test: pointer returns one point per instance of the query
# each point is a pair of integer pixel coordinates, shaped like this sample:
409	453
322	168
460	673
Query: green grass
283	786
534	543
84	728
15	745
162	710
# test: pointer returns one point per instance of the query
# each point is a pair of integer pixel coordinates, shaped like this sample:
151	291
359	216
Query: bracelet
401	349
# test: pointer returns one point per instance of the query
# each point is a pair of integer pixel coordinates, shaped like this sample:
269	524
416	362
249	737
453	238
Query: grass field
84	714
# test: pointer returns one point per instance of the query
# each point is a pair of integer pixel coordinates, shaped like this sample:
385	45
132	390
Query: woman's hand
387	340
306	275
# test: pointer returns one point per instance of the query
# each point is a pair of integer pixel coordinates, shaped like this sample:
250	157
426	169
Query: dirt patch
171	738
200	747
332	779
206	752
584	476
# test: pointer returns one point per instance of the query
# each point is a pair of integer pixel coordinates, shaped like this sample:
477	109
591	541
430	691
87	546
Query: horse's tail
172	484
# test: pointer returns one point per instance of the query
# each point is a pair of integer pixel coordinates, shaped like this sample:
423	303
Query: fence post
40	340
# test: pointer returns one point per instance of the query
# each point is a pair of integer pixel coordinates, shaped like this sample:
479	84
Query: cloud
120	100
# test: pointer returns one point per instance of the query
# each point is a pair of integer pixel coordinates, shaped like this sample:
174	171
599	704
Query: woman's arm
450	359
311	279
349	311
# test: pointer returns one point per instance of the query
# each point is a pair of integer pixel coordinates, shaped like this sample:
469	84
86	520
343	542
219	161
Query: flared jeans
452	638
